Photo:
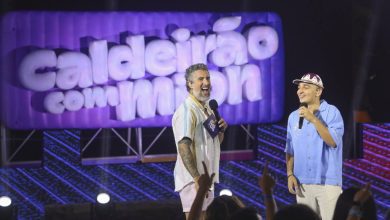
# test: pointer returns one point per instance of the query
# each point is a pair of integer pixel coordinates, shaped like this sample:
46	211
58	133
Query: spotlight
5	201
7	210
226	192
103	209
103	198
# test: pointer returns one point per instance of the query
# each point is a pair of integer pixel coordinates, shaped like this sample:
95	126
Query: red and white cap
311	78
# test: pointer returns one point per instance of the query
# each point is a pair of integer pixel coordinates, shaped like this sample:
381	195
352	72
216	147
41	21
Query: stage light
7	209
5	201
226	192
103	208
103	198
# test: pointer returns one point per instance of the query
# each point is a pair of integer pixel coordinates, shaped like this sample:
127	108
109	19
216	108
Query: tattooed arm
188	158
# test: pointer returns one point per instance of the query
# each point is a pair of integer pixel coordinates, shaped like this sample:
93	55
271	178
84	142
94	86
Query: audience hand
266	182
363	194
205	180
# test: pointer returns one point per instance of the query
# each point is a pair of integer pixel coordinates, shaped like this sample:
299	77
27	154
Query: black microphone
214	106
304	104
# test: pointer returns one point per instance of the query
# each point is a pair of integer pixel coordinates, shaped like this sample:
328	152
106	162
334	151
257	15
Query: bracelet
290	175
355	211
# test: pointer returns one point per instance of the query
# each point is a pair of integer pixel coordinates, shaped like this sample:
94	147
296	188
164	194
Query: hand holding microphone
306	113
221	122
301	114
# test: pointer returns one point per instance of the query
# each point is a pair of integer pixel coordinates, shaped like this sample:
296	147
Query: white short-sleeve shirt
188	121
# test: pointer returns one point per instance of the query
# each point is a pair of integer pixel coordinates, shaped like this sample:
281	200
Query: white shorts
188	194
321	198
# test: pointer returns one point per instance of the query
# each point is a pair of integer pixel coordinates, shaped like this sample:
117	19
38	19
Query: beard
202	97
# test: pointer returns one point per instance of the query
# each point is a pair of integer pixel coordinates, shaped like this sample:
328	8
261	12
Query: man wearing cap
314	148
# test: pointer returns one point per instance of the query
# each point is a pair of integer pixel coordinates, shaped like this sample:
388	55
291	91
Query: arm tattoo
185	140
187	157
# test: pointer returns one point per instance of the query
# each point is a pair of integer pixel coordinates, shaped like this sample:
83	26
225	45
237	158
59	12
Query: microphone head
213	104
304	104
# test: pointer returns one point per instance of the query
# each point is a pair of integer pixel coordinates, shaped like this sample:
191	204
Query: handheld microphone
301	118
214	106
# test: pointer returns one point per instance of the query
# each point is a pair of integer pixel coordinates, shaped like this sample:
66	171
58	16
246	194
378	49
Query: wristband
355	211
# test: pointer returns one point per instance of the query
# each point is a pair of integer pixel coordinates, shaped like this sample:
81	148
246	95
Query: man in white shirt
193	142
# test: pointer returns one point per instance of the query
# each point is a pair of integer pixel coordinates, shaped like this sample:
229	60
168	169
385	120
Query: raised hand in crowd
356	212
204	182
267	184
